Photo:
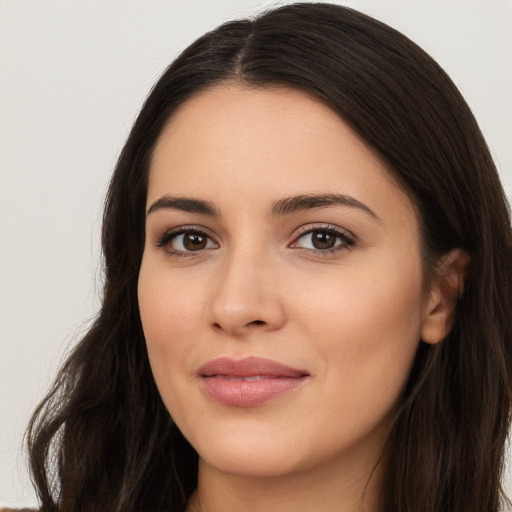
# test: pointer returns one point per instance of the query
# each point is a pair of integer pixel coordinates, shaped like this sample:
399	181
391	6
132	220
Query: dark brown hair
103	440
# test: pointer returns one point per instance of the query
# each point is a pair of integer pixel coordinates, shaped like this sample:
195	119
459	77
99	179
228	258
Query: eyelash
347	240
166	238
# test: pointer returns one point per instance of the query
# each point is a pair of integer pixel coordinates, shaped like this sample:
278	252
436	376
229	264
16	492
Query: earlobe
446	288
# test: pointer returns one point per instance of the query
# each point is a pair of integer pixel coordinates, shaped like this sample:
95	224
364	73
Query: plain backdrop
72	78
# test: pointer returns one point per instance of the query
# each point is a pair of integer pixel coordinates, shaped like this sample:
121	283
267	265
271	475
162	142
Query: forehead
226	116
234	139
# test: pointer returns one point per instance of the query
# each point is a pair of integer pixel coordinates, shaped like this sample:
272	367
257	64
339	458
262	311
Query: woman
307	299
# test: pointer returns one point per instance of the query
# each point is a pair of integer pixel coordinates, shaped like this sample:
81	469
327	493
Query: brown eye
323	240
194	241
185	241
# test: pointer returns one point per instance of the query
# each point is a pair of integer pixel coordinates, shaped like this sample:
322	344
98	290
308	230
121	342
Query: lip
248	382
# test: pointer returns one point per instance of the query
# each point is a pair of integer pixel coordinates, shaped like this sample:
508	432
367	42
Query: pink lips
248	382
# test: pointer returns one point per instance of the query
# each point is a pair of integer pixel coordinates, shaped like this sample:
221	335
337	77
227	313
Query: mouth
248	382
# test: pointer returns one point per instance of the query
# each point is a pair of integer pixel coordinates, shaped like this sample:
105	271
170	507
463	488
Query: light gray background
72	78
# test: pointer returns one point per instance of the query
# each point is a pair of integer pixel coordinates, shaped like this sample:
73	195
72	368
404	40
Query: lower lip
248	393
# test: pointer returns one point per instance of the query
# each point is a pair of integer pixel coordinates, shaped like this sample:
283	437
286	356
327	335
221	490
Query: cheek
167	303
170	311
368	324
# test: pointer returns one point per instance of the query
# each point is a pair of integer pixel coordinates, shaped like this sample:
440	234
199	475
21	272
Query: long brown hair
102	438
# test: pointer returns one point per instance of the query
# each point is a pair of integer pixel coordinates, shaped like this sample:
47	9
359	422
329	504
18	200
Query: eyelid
346	236
163	239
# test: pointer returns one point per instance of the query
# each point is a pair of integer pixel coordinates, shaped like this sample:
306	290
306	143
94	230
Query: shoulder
18	510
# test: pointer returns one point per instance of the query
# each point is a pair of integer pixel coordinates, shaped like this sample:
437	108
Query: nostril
221	327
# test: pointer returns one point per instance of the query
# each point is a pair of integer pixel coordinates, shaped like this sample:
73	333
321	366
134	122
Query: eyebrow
309	201
186	204
285	206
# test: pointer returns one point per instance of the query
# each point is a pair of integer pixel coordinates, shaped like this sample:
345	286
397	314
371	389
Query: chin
255	452
251	463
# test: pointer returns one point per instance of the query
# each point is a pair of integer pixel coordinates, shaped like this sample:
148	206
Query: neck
333	487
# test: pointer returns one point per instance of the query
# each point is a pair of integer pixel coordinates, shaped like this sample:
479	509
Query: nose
246	297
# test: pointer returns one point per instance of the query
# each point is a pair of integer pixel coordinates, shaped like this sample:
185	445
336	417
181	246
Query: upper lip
247	367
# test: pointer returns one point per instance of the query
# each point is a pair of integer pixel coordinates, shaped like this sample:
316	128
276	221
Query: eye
185	240
323	239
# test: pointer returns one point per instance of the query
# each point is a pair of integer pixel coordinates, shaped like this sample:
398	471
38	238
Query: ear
447	286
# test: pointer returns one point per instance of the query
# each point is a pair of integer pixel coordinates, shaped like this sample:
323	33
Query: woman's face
281	289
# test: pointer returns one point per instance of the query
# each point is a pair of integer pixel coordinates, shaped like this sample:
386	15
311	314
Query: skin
352	317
